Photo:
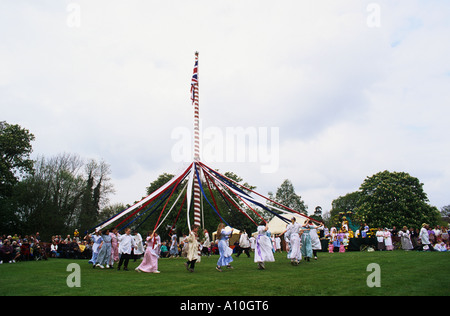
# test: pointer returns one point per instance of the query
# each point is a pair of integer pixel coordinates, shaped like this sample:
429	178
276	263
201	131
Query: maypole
226	188
195	97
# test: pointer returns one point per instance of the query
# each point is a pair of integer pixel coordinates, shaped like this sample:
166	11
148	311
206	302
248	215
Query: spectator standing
424	237
388	239
405	238
380	239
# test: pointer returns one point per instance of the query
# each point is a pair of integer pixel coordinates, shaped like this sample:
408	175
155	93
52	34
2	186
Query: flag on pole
194	81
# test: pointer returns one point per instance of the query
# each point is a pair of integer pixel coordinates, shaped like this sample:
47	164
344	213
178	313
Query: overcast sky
342	89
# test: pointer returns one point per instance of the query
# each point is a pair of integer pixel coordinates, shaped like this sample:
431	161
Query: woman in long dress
405	238
192	249
157	245
139	246
173	246
388	240
293	234
424	238
306	247
104	254
263	248
150	262
97	238
315	241
114	247
380	239
225	251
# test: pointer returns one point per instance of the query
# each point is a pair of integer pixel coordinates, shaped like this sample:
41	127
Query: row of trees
48	195
59	194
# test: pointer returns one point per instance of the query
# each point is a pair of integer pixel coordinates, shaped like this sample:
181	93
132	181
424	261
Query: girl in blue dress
225	251
306	248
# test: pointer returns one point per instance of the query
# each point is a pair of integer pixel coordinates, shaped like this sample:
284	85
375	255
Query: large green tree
15	150
286	196
15	163
344	204
395	199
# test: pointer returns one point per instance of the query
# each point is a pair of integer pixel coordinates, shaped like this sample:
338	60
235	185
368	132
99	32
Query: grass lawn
402	273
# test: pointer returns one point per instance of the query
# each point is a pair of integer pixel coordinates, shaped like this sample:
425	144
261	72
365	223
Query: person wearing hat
423	235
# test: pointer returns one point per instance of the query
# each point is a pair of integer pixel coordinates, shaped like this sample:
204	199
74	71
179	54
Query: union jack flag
194	81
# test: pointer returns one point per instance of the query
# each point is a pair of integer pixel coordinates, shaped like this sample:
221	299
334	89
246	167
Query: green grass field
402	273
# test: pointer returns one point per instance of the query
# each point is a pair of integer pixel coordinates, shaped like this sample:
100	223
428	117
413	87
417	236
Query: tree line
48	195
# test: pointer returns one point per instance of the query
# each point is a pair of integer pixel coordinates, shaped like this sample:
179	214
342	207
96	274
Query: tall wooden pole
197	204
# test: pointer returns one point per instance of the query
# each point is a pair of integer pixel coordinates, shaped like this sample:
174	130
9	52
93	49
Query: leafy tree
317	214
445	211
286	196
15	150
395	199
110	210
445	215
94	195
343	204
15	162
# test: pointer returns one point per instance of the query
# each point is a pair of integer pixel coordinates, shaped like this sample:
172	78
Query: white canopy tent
235	236
278	226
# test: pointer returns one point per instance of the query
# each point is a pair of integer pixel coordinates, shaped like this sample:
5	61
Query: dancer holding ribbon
263	249
150	262
293	232
225	251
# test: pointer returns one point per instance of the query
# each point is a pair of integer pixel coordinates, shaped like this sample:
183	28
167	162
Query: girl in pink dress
388	240
150	262
330	247
114	247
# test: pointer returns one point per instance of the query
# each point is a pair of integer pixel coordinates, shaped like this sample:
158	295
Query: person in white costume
425	239
126	246
293	232
405	236
244	244
139	245
252	243
315	241
263	248
278	243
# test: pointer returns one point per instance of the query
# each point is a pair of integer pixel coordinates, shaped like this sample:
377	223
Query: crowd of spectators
15	248
426	238
438	238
